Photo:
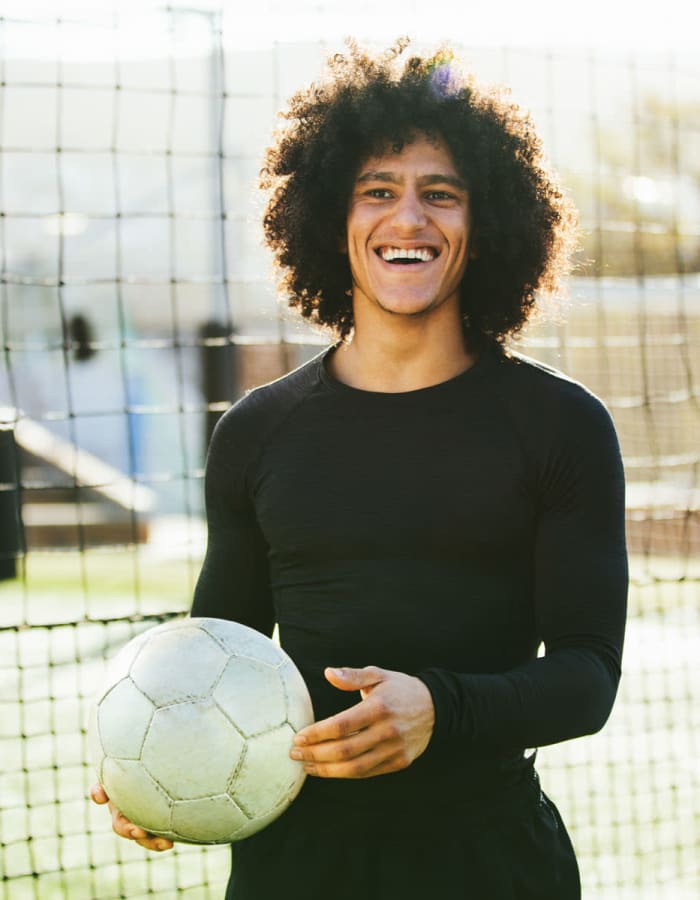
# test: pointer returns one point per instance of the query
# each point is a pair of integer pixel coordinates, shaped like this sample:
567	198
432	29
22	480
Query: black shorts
518	850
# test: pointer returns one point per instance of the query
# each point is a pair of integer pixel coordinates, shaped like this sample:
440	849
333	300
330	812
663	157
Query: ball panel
240	640
118	667
251	695
123	717
192	749
257	824
207	820
159	671
300	712
267	778
136	794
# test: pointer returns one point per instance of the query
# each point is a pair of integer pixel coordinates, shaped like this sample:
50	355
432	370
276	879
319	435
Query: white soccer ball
192	730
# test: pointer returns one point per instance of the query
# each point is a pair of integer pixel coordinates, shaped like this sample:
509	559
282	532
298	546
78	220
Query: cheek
356	249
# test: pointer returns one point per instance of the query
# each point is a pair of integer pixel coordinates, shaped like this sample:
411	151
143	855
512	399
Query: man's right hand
126	829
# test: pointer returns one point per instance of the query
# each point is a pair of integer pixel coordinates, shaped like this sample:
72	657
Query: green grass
98	584
107	571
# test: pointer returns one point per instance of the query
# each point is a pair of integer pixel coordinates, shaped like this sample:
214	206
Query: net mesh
136	303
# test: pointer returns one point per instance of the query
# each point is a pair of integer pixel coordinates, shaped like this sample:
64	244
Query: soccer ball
192	730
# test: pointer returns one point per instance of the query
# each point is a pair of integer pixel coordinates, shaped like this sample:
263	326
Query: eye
440	195
379	193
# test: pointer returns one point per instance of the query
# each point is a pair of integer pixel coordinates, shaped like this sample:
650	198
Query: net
136	303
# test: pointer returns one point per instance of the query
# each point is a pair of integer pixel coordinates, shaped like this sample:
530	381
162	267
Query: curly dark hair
524	226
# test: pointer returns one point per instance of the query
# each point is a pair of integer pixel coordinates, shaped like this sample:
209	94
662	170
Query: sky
617	25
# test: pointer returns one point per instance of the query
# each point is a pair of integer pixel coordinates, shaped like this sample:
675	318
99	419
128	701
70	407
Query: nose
409	214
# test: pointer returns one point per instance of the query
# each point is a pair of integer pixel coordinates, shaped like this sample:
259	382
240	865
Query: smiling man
408	230
407	242
418	508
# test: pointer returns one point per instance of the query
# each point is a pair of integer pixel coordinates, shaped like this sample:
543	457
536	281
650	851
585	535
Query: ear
343	244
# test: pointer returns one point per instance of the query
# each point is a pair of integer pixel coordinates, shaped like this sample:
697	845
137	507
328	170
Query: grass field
631	794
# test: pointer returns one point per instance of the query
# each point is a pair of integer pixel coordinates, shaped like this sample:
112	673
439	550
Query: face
408	231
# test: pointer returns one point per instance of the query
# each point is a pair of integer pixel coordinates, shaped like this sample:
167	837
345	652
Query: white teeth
424	254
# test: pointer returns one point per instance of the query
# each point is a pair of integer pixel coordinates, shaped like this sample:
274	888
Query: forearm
564	695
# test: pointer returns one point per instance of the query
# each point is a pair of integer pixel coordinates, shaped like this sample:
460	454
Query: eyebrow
435	178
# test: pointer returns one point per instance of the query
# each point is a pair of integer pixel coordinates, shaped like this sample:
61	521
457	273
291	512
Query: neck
394	354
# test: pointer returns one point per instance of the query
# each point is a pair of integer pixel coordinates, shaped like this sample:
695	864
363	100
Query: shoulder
551	414
539	388
245	427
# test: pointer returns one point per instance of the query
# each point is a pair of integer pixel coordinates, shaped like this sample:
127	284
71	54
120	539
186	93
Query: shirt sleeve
234	581
580	590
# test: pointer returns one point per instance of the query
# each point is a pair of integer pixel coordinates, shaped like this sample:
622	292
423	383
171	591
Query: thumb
346	679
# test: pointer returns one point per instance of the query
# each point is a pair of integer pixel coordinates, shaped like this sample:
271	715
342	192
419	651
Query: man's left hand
389	728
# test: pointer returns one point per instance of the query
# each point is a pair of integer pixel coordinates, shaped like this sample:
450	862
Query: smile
403	256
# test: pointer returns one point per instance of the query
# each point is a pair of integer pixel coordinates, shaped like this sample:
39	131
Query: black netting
136	304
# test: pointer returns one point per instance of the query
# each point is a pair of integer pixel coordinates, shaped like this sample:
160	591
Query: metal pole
10	531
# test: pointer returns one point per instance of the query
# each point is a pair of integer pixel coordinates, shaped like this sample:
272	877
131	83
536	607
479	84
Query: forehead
421	153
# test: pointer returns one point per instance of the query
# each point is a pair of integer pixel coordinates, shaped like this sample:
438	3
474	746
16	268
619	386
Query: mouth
400	256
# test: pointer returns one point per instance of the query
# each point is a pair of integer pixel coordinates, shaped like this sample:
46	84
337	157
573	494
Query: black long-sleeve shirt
445	532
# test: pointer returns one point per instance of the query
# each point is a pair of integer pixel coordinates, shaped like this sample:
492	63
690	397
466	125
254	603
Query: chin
413	308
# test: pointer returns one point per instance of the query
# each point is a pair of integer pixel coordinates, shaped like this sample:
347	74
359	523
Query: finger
380	760
126	828
347	679
393	764
98	794
360	716
345	748
143	838
155	843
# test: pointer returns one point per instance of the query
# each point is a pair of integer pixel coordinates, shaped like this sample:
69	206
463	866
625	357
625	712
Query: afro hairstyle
524	227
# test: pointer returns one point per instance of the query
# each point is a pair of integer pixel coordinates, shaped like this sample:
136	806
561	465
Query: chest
443	481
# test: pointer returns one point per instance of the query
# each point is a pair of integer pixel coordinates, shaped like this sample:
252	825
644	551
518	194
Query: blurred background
137	302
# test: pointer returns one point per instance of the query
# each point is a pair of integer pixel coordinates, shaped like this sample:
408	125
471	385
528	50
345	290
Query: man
416	505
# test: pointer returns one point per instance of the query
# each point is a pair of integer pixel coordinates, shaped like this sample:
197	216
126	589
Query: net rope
136	304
